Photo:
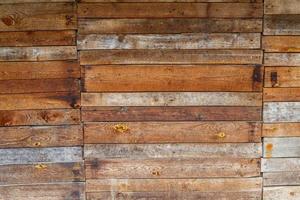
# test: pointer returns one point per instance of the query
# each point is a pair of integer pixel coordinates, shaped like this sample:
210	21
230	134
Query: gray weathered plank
281	112
283	192
282	147
282	59
280	164
281	178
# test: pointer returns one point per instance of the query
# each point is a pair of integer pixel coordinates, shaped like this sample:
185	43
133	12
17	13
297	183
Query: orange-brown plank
281	43
281	130
281	94
282	77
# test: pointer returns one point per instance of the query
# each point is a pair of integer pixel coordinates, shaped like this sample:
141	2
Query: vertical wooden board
281	112
39	117
40	155
171	132
196	150
39	70
170	10
281	129
172	99
280	165
169	78
37	38
281	43
41	136
283	192
276	7
58	191
184	113
281	178
38	16
165	25
281	25
41	173
281	94
170	41
188	56
282	147
282	76
38	53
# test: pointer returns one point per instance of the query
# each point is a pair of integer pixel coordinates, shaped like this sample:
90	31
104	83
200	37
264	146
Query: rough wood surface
282	59
183	1
285	76
169	78
281	94
282	147
281	25
281	130
280	164
283	192
171	132
281	43
281	178
281	112
38	1
275	7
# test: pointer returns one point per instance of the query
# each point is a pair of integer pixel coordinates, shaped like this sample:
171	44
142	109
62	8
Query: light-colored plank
187	56
170	41
170	10
282	147
37	16
281	94
282	59
281	130
171	132
41	173
281	43
282	76
281	178
283	192
39	117
58	191
281	25
38	53
280	165
169	78
175	25
40	155
147	151
172	168
281	112
276	7
41	136
183	113
172	99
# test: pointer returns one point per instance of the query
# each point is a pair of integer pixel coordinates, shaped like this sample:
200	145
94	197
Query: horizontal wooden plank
39	70
38	16
58	191
171	132
39	117
281	43
281	94
169	78
281	112
283	192
187	56
282	59
37	38
41	173
276	7
172	99
281	178
41	136
148	151
38	53
39	85
170	41
281	130
281	25
282	76
184	113
34	1
280	164
39	101
172	168
40	155
135	1
220	185
170	10
282	147
175	25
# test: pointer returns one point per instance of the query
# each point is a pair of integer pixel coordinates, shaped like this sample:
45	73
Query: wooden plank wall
149	99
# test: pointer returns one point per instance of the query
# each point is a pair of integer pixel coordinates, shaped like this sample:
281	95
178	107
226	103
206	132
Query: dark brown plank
281	25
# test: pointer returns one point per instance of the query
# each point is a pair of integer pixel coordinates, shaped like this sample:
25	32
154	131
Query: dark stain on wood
274	80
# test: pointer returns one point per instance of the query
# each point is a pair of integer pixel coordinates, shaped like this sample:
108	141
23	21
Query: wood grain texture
165	25
281	130
39	101
148	151
170	10
276	7
39	117
39	70
280	164
283	192
41	136
284	76
40	155
172	99
38	53
32	1
188	56
172	132
37	38
38	16
281	43
282	59
58	191
169	78
281	94
49	173
170	41
172	168
183	1
281	25
184	113
281	112
281	178
282	147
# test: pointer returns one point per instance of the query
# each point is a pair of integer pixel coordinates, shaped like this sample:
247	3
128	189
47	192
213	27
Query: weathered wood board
283	192
281	94
281	25
281	130
145	1
281	43
280	165
276	7
281	112
282	147
282	77
282	59
281	178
